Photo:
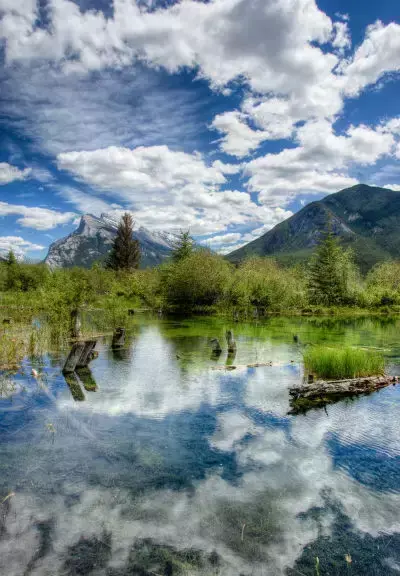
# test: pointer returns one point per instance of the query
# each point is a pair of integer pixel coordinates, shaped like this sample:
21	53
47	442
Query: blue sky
223	117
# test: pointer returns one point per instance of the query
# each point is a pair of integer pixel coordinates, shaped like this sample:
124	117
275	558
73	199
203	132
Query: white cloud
84	202
378	54
395	187
36	217
319	164
341	37
239	139
9	173
18	245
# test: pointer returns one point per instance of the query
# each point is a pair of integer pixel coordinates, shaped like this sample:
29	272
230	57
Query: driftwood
349	387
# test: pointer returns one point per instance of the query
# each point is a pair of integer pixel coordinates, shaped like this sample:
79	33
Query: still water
176	465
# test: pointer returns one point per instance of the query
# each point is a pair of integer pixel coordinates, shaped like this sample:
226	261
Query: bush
260	283
339	363
199	280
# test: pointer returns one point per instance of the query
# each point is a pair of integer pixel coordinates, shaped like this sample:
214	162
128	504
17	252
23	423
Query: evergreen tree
125	253
183	247
331	270
11	259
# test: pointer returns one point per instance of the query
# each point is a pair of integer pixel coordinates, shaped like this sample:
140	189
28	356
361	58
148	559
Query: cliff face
366	218
92	241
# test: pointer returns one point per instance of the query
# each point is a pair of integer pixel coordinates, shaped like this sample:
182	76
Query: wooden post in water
73	357
118	340
86	354
231	342
75	324
216	347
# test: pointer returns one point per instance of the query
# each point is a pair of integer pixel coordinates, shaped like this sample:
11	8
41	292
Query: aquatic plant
347	362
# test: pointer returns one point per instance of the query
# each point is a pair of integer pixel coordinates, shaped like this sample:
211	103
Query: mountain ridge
366	218
92	241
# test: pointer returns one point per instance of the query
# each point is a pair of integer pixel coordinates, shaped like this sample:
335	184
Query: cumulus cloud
318	164
9	173
18	245
36	217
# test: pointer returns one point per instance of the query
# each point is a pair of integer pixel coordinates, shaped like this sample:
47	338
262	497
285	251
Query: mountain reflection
171	469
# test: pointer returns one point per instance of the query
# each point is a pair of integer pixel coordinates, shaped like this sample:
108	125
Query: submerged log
350	387
73	357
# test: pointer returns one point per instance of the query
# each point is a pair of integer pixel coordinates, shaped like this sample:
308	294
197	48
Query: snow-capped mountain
93	238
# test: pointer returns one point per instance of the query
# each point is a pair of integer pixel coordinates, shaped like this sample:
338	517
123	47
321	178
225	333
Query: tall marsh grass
338	363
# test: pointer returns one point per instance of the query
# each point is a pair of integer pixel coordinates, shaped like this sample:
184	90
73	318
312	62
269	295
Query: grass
339	363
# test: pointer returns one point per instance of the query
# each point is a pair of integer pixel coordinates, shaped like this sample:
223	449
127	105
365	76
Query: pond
169	463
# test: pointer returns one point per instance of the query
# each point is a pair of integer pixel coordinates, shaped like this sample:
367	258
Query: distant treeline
198	280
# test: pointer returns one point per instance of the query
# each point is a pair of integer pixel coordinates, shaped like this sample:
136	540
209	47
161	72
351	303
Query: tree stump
118	340
73	357
231	342
75	324
216	347
86	355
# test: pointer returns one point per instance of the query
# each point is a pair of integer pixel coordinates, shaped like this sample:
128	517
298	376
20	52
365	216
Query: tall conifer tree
125	253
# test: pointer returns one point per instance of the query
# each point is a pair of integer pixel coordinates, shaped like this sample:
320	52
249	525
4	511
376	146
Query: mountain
93	238
366	218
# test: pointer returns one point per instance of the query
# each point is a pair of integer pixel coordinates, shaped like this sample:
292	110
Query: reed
340	363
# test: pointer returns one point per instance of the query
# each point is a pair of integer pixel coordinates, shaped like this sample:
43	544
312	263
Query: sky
223	117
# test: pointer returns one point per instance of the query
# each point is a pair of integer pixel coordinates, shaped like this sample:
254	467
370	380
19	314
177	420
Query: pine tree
329	272
11	259
125	253
183	246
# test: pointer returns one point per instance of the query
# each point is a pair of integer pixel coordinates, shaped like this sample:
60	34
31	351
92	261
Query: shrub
260	283
196	281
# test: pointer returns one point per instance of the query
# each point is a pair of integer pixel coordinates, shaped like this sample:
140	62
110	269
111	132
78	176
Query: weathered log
86	354
118	338
74	386
349	387
231	341
73	357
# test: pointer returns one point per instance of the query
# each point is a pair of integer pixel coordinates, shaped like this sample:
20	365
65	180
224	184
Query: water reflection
173	467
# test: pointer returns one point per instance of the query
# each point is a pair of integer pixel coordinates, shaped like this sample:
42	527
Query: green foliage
383	285
183	247
125	253
198	280
260	283
345	362
332	274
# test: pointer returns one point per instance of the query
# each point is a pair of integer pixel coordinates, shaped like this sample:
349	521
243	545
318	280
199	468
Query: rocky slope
366	218
92	241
